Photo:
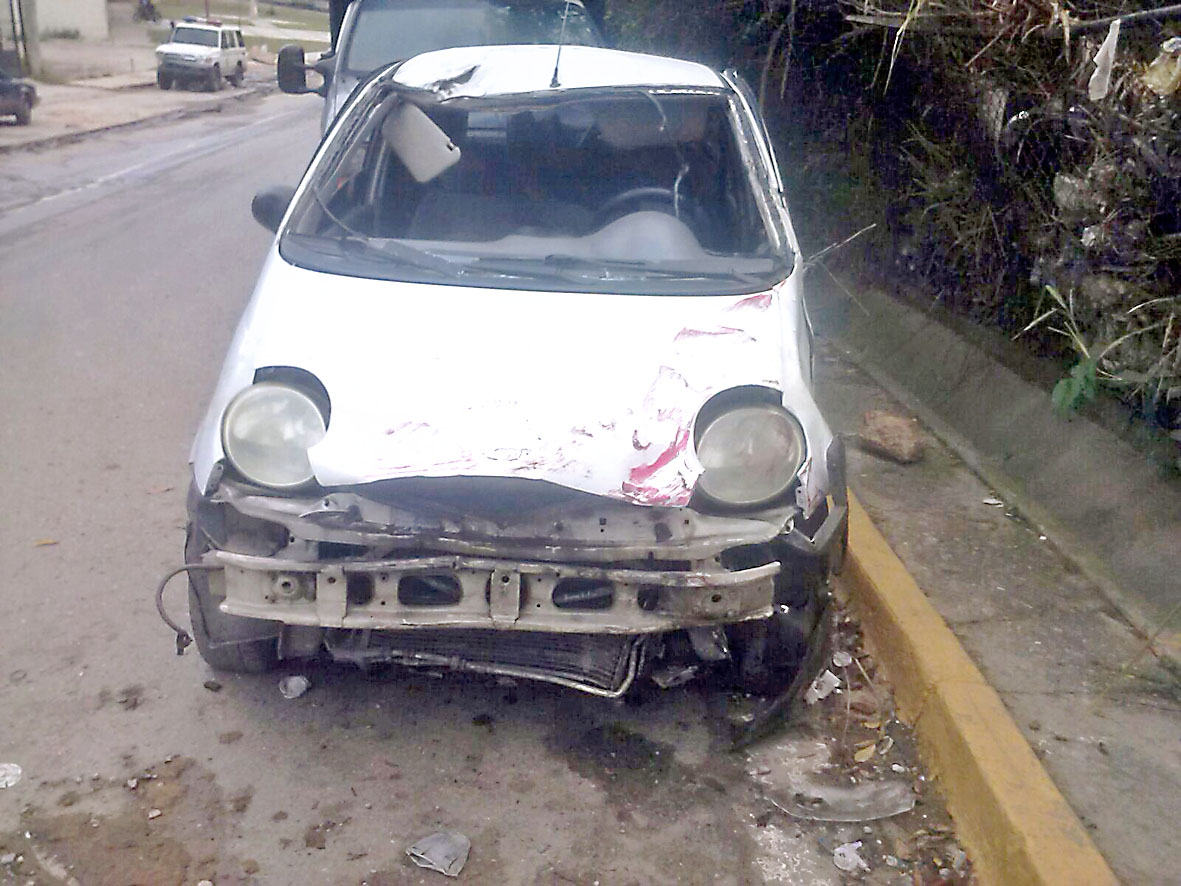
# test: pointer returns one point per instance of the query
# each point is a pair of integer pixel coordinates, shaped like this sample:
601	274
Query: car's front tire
215	81
24	113
163	80
223	651
238	77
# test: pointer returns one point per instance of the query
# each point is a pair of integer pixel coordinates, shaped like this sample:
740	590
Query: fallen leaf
44	542
864	754
157	490
872	724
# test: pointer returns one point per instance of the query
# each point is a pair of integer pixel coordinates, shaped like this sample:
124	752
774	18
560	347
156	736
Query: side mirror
293	71
269	205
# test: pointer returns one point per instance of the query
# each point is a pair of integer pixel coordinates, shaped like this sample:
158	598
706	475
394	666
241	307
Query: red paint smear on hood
762	301
640	473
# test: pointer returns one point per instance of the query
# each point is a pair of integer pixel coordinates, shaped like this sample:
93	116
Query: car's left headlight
266	433
751	453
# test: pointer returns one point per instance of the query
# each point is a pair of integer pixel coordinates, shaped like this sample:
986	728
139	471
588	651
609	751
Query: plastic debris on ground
10	774
847	858
294	686
443	851
867	801
822	687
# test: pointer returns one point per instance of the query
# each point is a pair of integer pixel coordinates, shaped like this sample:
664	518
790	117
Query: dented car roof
486	71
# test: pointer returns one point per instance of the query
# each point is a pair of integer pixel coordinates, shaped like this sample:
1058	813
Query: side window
238	39
225	39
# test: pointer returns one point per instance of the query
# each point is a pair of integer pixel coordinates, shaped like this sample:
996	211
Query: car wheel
228	642
164	81
24	113
215	81
238	77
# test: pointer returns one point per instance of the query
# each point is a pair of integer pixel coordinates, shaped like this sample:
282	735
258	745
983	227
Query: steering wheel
609	210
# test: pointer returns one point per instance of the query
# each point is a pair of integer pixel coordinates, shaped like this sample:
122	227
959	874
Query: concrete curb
1118	525
181	113
1011	818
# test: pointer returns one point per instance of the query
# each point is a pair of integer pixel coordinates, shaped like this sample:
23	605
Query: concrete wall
88	17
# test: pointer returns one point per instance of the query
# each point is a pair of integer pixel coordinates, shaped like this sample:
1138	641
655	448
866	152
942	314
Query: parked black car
18	97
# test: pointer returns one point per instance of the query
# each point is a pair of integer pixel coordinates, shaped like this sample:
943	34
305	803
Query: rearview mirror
270	204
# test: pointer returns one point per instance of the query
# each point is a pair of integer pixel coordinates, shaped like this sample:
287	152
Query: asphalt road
124	263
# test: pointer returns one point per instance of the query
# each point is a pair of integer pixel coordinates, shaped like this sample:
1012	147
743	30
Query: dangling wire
183	639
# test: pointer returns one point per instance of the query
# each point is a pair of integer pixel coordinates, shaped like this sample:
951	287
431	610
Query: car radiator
601	664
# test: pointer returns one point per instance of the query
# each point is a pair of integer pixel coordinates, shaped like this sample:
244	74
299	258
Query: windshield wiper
641	269
579	269
403	254
525	268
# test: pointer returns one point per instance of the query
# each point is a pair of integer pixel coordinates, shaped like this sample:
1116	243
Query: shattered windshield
630	191
390	30
195	36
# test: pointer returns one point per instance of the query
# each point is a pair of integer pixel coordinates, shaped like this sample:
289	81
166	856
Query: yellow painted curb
1010	817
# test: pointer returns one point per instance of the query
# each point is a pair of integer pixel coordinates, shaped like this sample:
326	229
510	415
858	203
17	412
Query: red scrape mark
700	333
762	301
640	473
654	495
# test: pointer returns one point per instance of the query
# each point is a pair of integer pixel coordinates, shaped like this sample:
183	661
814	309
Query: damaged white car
524	389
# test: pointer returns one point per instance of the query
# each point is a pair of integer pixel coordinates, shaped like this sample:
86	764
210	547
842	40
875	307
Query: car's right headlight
266	433
751	454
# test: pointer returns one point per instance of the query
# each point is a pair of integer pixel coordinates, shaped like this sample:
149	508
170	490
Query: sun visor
424	148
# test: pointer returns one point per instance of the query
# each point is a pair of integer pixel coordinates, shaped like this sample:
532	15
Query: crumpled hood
590	391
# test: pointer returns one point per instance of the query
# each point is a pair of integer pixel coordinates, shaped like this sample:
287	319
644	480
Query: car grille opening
429	590
359	588
335	550
584	593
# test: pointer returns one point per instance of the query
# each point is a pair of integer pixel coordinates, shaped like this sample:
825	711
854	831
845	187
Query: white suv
202	51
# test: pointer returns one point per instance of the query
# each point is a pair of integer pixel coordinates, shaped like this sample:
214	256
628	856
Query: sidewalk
1103	717
88	106
101	85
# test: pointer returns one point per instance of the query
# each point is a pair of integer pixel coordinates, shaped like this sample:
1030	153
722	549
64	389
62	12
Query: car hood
194	49
590	391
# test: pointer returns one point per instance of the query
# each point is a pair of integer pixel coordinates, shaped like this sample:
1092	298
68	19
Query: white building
87	17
